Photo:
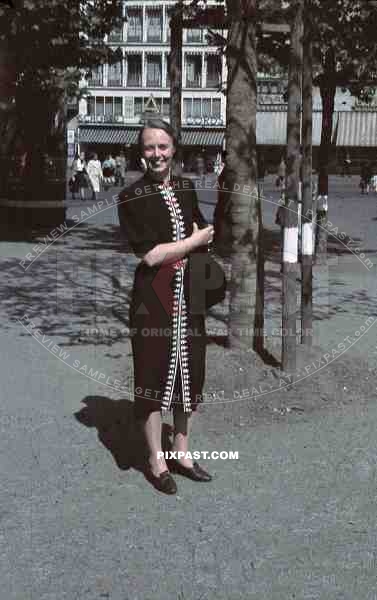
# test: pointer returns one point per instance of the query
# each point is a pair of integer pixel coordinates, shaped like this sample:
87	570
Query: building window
167	62
201	109
138	107
213	70
197	108
116	35
187	108
154	70
134	25
166	107
91	103
100	107
118	107
154	25
96	77
108	109
216	108
169	12
193	71
194	36
134	78
115	75
206	107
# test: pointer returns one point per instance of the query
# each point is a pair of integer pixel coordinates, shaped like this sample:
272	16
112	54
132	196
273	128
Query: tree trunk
290	248
175	74
241	170
307	196
328	90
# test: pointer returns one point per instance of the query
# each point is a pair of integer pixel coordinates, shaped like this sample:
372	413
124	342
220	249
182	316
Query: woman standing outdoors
79	175
95	175
160	217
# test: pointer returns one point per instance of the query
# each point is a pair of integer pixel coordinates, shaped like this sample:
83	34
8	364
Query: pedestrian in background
120	169
347	165
78	177
108	169
366	177
95	174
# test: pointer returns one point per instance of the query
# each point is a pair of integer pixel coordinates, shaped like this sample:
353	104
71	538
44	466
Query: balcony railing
95	82
154	37
114	83
101	118
194	83
213	82
134	37
115	37
153	82
134	81
194	37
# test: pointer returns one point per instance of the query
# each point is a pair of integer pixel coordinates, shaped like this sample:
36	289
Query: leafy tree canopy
43	37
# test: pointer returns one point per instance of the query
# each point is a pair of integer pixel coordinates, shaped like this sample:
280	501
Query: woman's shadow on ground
118	430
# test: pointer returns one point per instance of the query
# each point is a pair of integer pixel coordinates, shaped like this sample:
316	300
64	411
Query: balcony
155	38
134	37
213	82
115	37
154	83
115	83
196	82
194	36
98	82
134	81
109	118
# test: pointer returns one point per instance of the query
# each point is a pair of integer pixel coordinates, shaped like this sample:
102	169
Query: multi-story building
120	95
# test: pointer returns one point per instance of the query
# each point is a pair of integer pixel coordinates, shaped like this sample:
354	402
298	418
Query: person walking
347	165
160	217
120	169
366	177
108	169
95	175
78	176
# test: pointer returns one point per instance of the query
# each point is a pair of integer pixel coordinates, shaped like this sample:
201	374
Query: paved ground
293	517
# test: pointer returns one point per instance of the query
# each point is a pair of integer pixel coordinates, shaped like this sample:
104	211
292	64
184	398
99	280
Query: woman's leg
182	428
152	428
82	193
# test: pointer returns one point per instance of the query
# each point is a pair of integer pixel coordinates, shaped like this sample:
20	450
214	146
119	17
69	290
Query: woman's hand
200	237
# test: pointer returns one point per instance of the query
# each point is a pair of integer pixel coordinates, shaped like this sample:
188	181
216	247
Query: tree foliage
45	47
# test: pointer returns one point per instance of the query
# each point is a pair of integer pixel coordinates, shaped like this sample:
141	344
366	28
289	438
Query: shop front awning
357	128
350	128
202	137
106	134
272	128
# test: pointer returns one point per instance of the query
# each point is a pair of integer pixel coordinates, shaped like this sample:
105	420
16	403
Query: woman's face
158	150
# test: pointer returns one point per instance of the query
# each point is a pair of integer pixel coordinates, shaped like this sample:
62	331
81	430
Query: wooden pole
307	197
290	229
175	73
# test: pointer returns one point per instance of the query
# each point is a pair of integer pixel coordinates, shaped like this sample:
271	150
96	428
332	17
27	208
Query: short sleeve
134	227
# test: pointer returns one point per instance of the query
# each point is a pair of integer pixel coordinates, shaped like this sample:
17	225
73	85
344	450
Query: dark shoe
163	483
196	473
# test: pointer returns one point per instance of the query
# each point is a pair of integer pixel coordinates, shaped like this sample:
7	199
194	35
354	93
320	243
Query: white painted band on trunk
307	239
290	247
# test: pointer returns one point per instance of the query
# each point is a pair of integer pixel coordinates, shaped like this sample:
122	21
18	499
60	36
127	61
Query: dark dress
168	335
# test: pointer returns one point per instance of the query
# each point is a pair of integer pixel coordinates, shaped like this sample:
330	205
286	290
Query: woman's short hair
157	123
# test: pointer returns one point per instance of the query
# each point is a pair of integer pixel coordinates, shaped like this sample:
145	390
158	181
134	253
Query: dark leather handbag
207	282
